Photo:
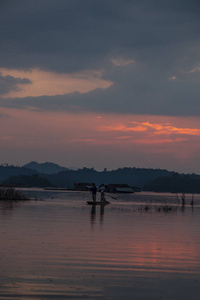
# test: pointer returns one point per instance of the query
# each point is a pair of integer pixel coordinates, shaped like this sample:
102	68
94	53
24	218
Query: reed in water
9	193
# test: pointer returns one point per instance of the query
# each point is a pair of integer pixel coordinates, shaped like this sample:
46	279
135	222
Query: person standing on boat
94	192
102	191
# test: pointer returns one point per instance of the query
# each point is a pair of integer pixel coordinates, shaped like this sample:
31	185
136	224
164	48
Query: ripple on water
62	248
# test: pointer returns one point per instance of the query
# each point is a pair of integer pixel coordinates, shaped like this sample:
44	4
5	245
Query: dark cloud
73	35
142	96
9	83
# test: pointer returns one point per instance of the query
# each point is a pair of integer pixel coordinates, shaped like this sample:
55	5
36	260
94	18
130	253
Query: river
142	246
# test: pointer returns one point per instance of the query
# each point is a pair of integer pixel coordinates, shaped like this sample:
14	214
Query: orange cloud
5	138
123	137
158	129
169	129
120	61
50	83
80	140
158	141
122	128
195	69
172	78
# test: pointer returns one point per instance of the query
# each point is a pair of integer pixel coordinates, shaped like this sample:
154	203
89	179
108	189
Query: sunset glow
100	149
67	133
49	83
75	89
156	129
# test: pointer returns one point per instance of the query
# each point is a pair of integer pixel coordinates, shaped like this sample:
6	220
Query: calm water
141	246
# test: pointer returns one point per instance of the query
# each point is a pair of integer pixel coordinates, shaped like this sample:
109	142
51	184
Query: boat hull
98	202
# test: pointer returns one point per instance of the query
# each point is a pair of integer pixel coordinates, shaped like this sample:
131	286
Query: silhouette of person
94	192
102	191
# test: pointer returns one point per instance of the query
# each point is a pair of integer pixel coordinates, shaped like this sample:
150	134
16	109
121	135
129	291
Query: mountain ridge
46	168
66	178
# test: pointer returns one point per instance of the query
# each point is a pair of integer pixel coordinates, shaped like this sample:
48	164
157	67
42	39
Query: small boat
98	202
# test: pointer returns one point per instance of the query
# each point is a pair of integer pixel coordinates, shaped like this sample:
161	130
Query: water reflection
94	208
7	207
48	250
93	214
101	213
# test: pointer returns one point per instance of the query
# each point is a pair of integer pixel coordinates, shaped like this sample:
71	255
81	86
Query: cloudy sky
101	83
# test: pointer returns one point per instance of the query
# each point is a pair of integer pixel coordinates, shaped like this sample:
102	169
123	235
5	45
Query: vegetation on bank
177	183
9	193
66	179
33	180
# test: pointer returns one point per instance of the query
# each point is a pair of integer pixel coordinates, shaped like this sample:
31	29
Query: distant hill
145	179
131	176
7	171
28	181
46	168
176	183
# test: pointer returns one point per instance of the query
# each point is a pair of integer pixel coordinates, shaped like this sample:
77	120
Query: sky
100	83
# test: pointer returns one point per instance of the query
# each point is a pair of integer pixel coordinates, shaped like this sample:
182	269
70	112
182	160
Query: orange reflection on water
55	248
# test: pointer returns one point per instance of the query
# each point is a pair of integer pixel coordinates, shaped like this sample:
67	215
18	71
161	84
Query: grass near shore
9	193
